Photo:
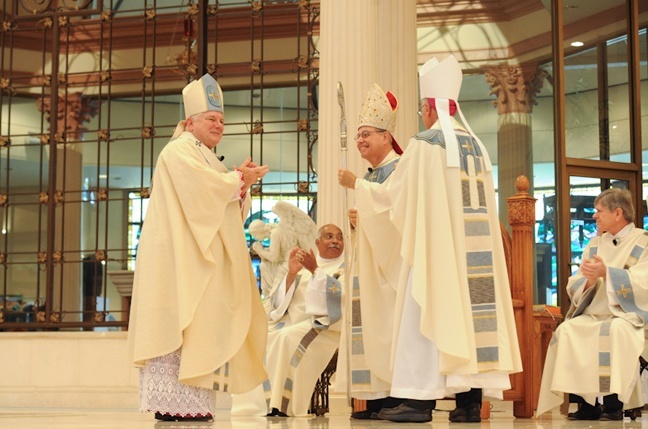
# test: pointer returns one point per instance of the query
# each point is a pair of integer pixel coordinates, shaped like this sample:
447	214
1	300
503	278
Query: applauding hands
252	173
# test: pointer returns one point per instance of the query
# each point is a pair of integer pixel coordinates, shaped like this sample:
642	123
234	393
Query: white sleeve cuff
316	294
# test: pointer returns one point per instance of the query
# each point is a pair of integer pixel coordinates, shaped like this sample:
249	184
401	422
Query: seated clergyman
595	352
304	328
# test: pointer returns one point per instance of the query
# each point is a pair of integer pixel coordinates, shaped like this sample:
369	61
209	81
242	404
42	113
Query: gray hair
617	198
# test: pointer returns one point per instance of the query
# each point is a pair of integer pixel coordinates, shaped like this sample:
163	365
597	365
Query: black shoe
611	415
587	412
170	418
365	415
405	414
276	413
469	414
164	417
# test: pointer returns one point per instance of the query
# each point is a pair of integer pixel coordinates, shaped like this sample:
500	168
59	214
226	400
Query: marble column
362	42
515	87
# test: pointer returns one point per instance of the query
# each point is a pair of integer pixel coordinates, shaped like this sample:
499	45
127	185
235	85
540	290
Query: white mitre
442	82
202	95
441	79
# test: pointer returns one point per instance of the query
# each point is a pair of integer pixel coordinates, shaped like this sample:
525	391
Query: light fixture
577	44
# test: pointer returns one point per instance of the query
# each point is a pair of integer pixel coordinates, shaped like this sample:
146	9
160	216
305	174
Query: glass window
544	190
582	105
615	116
136	212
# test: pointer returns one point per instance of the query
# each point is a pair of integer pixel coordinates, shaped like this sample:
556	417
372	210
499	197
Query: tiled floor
129	419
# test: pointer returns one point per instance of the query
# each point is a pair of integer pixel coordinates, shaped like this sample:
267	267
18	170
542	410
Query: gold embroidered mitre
377	110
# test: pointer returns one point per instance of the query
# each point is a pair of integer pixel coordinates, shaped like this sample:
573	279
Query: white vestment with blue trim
303	335
375	267
595	352
454	324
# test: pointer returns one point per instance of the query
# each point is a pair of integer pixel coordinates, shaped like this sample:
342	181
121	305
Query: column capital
72	111
515	86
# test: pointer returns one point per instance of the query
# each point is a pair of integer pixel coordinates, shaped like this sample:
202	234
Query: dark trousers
473	396
388	402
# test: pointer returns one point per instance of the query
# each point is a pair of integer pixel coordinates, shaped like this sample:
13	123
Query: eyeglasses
365	134
420	111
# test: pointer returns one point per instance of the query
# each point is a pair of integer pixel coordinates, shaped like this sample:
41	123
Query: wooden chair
535	325
320	398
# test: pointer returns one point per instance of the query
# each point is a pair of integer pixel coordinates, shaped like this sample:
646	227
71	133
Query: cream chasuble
375	275
595	352
454	324
194	288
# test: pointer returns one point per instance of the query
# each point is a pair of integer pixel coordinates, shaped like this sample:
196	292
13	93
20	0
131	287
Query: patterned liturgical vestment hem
160	391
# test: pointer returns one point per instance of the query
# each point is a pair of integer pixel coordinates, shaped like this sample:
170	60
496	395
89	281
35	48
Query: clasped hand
252	172
592	269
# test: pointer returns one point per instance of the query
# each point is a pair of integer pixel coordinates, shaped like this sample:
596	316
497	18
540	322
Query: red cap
394	104
453	106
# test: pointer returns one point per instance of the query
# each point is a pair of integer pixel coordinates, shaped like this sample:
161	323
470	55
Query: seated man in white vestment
197	324
595	352
304	329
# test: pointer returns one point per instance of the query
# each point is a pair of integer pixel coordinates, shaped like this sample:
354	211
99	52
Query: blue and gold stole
334	307
381	173
620	280
360	372
479	246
